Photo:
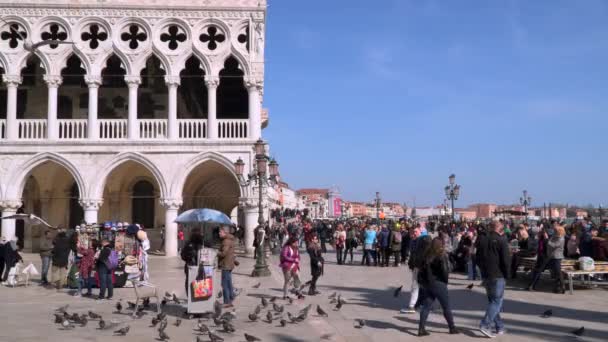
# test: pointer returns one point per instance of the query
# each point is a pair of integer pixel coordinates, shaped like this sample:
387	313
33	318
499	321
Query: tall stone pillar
52	129
173	130
132	124
254	87
12	127
171	206
212	82
93	81
91	209
9	207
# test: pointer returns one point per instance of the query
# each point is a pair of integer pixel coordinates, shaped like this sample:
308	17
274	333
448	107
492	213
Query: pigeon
83	321
75	318
198	339
167	294
220	294
62	308
339	305
177	322
277	308
154	322
289	300
93	315
202	327
122	331
302	316
163	302
163	336
547	314
333	295
326	336
119	306
228	327
102	323
321	312
66	324
217	321
58	318
146	302
215	338
301	296
217	308
269	317
264	302
227	316
131	305
257	286
360	323
397	291
291	317
253	317
283	322
161	316
175	299
163	325
579	332
273	299
257	309
251	338
470	286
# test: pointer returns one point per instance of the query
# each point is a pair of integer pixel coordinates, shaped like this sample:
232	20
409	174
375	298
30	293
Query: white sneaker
407	311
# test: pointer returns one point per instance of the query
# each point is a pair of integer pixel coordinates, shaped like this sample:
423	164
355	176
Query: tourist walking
340	241
46	253
384	247
395	246
226	263
351	242
61	254
290	264
87	263
418	246
105	266
554	256
11	258
316	264
369	237
433	277
493	261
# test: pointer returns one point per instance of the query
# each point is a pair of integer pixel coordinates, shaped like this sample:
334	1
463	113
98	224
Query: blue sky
394	95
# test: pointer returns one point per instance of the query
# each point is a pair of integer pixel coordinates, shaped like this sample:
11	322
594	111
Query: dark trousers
397	255
313	283
323	247
435	290
385	253
227	288
555	265
349	249
105	281
339	255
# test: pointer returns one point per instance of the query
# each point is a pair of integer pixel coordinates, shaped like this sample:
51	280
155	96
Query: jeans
313	284
495	289
471	269
555	266
105	281
85	280
368	254
339	255
227	288
288	275
436	290
414	289
46	264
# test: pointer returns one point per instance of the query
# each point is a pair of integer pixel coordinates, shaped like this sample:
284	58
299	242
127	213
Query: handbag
201	287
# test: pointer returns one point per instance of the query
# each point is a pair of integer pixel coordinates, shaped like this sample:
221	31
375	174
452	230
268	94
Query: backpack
397	237
113	260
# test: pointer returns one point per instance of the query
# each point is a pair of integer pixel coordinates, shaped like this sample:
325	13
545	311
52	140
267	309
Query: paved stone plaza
26	313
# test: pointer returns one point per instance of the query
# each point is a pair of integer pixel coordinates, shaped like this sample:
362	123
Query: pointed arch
20	177
98	186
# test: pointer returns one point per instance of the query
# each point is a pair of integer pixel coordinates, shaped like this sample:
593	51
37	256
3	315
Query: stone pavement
26	313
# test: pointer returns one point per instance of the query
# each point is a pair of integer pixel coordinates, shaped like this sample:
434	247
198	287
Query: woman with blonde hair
555	254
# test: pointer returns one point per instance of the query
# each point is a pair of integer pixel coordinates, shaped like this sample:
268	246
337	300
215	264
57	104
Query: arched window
192	101
143	203
232	97
152	101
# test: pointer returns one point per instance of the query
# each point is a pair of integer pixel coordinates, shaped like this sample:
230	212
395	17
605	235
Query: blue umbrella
203	216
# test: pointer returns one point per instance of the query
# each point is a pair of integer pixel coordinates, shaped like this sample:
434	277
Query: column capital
172	81
248	203
53	81
91	203
11	204
93	81
212	81
12	80
133	81
171	203
253	83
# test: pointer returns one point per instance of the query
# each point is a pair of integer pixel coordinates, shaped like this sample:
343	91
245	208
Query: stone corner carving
171	203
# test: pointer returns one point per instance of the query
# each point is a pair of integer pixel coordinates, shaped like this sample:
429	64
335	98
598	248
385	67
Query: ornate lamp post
452	191
258	176
525	201
378	202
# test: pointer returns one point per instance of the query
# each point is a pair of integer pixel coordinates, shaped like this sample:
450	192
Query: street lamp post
258	176
600	211
452	191
378	203
525	201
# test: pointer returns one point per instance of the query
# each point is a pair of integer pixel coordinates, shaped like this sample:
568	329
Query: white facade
113	137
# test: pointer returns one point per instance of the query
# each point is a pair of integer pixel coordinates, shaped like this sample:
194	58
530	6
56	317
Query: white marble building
142	117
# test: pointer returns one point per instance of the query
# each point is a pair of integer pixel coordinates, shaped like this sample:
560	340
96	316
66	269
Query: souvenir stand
201	282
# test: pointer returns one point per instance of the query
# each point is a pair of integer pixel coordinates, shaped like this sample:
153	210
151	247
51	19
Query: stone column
171	206
91	209
52	129
12	127
255	108
133	126
172	84
249	206
212	82
93	81
9	207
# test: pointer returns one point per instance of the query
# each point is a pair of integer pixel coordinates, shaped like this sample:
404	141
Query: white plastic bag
31	270
586	264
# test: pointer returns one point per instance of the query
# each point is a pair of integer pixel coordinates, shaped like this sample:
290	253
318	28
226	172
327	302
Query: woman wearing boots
433	278
555	254
316	264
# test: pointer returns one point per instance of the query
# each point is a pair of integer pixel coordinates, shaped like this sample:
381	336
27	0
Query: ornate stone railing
232	128
192	129
72	129
152	128
32	129
110	129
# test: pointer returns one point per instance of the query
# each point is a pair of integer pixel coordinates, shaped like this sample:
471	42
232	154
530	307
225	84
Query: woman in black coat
316	264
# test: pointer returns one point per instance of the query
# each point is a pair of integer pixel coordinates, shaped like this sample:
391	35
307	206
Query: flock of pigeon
222	321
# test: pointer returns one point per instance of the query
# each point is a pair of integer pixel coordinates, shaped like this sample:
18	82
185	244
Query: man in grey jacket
46	252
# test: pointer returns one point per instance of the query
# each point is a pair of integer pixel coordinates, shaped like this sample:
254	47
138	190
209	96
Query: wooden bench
569	268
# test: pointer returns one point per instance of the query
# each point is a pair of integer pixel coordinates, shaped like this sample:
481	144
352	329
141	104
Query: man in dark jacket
493	260
226	263
61	253
383	242
46	252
